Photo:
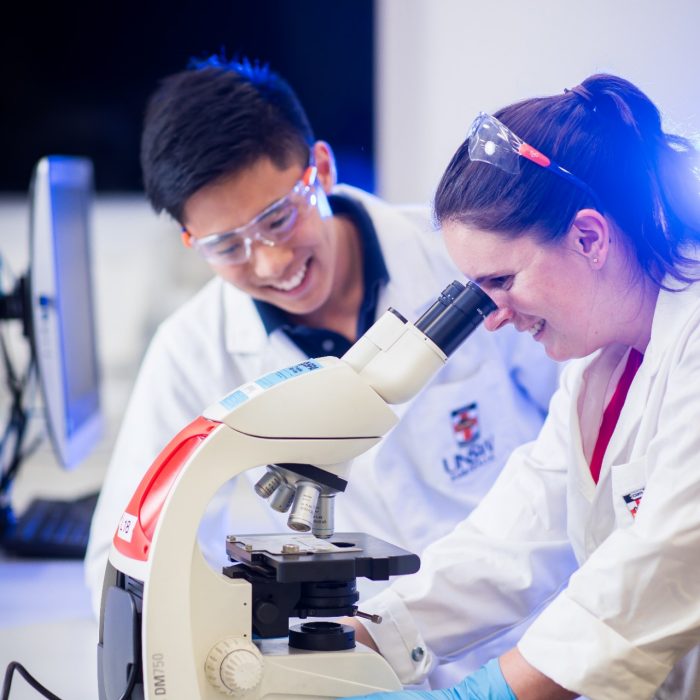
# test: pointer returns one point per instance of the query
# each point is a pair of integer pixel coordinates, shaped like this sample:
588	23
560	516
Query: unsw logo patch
474	451
633	499
465	424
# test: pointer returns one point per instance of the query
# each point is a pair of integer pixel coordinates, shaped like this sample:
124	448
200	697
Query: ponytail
670	216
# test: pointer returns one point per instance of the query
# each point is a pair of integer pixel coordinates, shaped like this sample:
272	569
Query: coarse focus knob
234	666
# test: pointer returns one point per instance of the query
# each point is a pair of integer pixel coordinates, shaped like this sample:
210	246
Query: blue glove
487	683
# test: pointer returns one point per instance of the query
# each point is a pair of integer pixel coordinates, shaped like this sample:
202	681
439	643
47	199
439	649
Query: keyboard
52	529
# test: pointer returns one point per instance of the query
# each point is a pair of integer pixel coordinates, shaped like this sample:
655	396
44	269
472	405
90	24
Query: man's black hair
213	120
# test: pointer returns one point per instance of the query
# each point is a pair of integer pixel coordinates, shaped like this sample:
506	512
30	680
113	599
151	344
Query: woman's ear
590	236
324	160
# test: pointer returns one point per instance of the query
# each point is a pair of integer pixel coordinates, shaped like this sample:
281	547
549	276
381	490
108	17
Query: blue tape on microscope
234	399
282	375
237	397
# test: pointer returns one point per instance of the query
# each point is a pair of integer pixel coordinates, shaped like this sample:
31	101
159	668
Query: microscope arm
187	607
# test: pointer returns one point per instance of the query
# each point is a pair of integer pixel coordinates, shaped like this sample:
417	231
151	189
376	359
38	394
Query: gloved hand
487	683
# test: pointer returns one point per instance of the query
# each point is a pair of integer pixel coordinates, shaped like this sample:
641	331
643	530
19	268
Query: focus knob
234	666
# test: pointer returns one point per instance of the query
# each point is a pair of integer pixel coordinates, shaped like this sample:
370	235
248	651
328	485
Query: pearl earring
595	261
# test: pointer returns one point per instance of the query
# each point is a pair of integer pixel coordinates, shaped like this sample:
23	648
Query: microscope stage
300	557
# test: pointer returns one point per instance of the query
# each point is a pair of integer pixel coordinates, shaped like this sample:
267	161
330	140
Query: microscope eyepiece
455	314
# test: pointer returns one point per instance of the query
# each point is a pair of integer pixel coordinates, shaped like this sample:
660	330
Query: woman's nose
270	262
498	318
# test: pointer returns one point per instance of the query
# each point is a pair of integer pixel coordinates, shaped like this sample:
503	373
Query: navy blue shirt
317	342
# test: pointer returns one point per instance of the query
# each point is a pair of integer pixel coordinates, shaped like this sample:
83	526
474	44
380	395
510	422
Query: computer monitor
54	302
63	333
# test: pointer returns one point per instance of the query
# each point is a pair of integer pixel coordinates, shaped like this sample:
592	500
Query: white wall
440	62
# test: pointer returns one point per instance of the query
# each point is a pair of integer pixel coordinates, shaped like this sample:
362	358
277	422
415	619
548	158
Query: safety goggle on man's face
273	225
492	142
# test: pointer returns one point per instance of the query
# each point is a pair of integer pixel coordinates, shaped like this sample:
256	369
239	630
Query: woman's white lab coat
631	610
410	489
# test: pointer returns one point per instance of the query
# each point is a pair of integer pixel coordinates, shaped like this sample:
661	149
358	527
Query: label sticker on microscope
247	391
281	375
125	530
236	398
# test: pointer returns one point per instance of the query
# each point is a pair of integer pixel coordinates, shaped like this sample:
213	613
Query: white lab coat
631	610
413	487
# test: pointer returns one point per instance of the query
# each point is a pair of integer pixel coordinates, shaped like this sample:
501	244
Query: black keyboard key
52	529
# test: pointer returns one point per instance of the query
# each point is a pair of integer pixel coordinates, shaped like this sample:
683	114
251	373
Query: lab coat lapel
413	252
244	332
671	312
407	271
586	500
625	456
256	353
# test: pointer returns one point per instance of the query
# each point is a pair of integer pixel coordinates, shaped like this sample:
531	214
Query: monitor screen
62	304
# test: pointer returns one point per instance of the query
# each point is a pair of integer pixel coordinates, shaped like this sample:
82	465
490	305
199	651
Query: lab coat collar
244	331
673	308
413	283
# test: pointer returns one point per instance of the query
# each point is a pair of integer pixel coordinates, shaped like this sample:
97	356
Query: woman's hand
485	684
507	678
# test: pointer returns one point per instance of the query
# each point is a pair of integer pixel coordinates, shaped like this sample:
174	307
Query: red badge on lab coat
633	499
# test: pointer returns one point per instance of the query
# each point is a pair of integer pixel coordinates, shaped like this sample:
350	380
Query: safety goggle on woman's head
492	142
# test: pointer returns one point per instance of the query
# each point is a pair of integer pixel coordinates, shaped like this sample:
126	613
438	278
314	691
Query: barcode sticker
126	527
248	391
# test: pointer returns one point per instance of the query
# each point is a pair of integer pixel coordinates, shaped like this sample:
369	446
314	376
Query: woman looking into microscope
580	217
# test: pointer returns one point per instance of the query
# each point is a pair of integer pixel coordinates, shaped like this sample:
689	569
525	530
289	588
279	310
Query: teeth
292	282
534	330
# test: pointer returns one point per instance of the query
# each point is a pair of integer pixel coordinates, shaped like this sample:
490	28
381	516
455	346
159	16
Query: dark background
76	75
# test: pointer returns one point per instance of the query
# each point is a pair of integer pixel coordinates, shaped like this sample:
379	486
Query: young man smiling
303	268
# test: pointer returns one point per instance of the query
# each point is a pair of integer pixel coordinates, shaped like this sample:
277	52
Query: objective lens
324	517
283	497
302	516
267	483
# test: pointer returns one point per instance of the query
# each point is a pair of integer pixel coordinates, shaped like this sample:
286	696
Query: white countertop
46	624
46	620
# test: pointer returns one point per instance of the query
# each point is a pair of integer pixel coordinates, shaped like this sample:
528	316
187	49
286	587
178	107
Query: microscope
171	626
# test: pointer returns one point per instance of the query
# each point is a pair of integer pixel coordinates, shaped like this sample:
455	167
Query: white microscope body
171	627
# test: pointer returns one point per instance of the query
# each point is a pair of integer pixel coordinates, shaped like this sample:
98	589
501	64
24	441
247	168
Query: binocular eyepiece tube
394	359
